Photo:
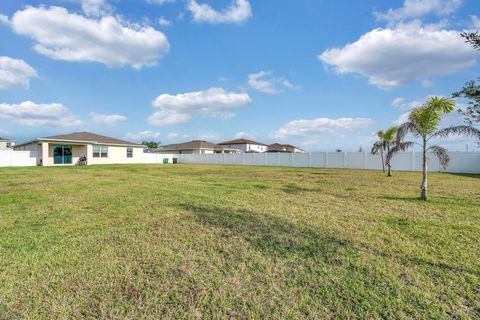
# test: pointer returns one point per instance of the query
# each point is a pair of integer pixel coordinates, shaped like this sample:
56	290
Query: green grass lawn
192	241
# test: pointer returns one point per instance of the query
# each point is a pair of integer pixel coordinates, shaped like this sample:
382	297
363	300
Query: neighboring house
245	145
67	149
6	143
196	147
277	147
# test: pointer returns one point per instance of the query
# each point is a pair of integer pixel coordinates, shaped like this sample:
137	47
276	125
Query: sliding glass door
62	154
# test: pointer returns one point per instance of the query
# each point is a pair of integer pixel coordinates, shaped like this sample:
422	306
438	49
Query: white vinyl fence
460	162
10	158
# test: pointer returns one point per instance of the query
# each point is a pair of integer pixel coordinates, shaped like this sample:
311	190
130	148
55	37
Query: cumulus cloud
61	35
418	8
164	22
29	113
392	57
180	108
15	73
107	119
238	12
315	127
142	135
264	81
96	8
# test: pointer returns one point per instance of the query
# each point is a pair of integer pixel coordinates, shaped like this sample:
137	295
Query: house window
100	152
129	152
9	144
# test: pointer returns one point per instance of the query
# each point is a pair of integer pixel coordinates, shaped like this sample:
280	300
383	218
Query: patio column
46	160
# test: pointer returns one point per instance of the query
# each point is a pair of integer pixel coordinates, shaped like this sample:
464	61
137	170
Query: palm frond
442	154
398	147
462	130
406	128
377	147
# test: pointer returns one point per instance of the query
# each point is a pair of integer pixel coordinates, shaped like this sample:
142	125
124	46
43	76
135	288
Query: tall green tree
423	124
386	140
471	90
151	144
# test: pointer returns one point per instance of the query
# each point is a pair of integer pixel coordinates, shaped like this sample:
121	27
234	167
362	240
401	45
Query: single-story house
68	149
6	143
245	145
196	147
278	147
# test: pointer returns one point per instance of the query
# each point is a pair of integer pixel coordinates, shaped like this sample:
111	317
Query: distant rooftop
242	141
89	137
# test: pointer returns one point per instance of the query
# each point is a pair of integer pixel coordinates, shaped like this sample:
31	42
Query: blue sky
318	74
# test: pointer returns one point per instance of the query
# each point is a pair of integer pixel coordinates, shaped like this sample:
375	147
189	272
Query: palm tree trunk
389	165
424	194
383	161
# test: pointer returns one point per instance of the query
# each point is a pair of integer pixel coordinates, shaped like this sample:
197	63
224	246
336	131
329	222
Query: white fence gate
460	162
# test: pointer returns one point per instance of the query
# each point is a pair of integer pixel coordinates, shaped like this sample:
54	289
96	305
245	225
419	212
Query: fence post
243	159
254	160
278	159
344	159
309	159
266	158
291	159
326	159
224	158
11	157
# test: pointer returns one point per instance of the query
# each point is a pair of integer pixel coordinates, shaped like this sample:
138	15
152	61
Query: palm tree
379	148
384	144
423	123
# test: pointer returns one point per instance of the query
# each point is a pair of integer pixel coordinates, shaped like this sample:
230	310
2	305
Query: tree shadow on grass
276	237
465	175
271	235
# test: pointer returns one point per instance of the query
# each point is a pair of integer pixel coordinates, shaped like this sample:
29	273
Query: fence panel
11	158
460	162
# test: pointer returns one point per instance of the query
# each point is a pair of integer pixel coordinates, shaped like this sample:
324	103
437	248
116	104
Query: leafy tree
471	90
472	38
423	124
151	144
386	140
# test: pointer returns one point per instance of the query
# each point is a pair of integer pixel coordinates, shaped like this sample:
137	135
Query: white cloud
181	137
160	1
264	81
4	19
15	73
96	8
180	108
71	37
475	21
243	135
142	135
107	119
402	104
418	8
33	114
395	56
164	22
427	83
314	127
238	12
